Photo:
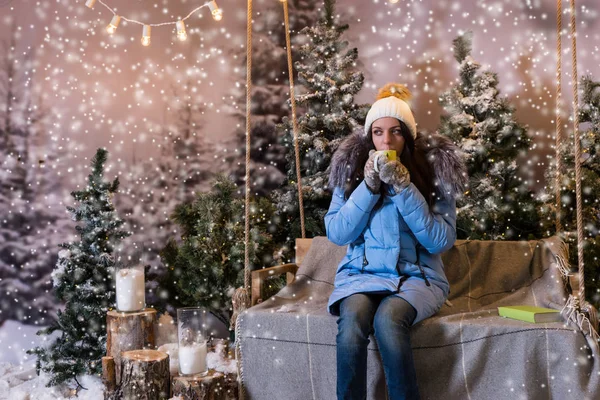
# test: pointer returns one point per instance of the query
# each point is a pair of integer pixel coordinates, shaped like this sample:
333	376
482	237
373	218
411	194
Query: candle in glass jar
130	289
192	358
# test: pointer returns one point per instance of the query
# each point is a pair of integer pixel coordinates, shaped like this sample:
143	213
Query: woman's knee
356	315
395	315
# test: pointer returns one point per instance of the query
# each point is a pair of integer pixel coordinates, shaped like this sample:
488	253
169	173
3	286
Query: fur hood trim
446	159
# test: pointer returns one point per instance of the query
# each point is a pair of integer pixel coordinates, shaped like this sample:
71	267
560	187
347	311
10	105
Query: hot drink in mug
390	155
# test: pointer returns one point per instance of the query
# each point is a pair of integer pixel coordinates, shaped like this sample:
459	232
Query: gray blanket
287	344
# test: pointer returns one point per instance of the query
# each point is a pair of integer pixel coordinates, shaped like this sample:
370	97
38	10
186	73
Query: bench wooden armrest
259	276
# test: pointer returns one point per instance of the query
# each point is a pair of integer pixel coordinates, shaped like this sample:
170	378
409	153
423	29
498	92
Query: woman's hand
395	174
371	176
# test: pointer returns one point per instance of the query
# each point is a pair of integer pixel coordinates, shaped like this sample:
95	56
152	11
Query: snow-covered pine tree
270	94
31	220
208	265
329	80
499	204
589	116
83	280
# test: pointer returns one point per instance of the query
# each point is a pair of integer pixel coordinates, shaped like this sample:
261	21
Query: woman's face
387	135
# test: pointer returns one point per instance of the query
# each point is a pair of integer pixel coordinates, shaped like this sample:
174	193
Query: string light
114	23
146	35
181	34
393	1
216	13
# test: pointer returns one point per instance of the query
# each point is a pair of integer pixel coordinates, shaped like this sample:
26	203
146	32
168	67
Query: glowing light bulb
90	3
181	34
393	1
216	12
114	23
146	35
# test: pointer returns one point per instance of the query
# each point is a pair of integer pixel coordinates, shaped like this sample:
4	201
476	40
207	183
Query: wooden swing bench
287	343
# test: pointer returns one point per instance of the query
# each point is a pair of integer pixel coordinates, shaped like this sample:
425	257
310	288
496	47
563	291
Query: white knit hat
392	102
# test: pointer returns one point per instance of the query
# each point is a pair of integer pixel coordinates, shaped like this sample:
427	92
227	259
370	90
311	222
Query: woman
396	222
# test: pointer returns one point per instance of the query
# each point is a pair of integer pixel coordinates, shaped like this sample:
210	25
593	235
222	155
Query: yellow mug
389	154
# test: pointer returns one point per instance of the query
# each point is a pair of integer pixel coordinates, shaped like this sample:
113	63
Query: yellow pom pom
394	89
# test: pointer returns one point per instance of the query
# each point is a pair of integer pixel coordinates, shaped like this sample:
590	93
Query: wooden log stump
129	331
108	375
144	375
231	387
196	387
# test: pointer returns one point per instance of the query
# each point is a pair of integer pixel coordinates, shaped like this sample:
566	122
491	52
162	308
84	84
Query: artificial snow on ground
18	379
22	383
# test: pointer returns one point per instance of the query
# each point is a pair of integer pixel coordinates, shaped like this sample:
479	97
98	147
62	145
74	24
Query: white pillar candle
192	359
130	289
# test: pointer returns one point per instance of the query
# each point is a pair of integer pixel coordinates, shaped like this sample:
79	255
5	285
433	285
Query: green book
530	313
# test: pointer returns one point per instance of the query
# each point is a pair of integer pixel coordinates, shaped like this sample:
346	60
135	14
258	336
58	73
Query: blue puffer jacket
396	247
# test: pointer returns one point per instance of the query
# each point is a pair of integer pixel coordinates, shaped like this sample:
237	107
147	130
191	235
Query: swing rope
241	298
294	121
579	311
248	150
580	238
559	128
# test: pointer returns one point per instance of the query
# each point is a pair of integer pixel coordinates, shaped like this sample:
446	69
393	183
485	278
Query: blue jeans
390	317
